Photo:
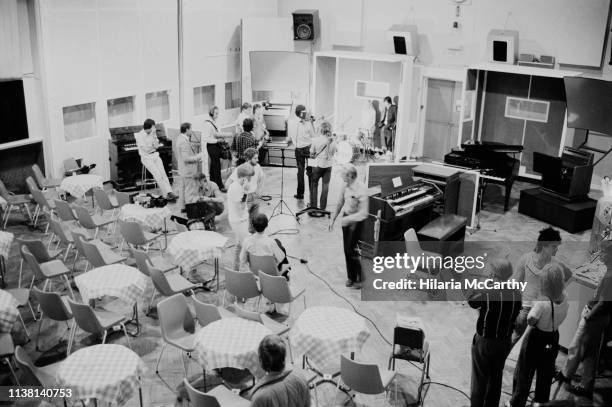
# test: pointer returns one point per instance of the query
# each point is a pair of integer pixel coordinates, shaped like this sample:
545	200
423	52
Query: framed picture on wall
527	109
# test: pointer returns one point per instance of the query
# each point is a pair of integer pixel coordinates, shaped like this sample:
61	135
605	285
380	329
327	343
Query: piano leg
507	198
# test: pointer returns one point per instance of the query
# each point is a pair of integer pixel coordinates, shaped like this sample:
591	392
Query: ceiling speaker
305	25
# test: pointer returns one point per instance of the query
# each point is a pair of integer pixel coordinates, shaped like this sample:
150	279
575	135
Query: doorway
441	126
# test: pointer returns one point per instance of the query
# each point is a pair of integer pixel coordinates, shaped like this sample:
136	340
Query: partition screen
280	71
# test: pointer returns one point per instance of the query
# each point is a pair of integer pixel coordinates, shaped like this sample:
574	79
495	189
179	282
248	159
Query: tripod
281	203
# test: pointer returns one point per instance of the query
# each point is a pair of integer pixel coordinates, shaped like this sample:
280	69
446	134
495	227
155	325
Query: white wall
212	48
552	27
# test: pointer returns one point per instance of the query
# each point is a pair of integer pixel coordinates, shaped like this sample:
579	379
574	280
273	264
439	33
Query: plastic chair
123	198
217	397
169	285
276	289
38	250
64	237
409	344
133	234
32	375
413	246
53	307
105	204
144	262
46	271
365	378
241	285
42	181
7	349
43	204
96	321
177	327
207	313
265	264
91	222
13	201
99	254
71	167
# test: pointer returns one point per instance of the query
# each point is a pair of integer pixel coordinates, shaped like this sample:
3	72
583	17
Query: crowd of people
506	316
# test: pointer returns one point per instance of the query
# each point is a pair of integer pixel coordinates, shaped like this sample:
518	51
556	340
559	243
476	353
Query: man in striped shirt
497	312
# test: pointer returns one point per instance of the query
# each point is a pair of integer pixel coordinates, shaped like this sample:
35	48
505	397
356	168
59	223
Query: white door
441	118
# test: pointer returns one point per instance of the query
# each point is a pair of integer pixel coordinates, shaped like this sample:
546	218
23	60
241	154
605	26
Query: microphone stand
282	204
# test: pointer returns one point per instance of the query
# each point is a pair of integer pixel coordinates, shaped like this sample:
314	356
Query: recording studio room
306	203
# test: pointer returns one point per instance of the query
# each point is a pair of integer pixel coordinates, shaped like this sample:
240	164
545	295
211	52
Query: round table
126	283
322	334
107	373
153	218
78	185
8	311
231	342
188	249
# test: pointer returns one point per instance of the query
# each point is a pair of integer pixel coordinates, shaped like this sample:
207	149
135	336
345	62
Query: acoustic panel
280	71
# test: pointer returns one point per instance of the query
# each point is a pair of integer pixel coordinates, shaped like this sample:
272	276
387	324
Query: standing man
388	122
497	311
148	143
189	163
301	132
353	204
237	211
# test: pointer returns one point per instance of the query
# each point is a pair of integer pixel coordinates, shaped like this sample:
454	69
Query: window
203	99
158	105
371	89
79	121
260	95
120	112
233	98
527	109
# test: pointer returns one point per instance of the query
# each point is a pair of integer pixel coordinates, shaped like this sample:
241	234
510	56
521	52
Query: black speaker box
305	25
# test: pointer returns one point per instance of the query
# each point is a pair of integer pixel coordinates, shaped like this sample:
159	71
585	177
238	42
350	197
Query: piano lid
492	146
435	170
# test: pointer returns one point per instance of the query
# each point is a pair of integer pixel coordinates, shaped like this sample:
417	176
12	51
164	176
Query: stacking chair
105	204
64	237
99	254
414	247
217	397
96	321
207	313
241	285
64	211
123	198
22	296
177	327
38	250
54	307
43	204
133	234
276	289
43	182
409	344
144	262
13	201
32	375
170	284
91	222
7	349
365	378
46	271
264	264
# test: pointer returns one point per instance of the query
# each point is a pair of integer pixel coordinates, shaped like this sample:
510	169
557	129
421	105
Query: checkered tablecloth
3	203
6	239
152	218
325	333
8	311
77	185
116	280
231	342
108	373
188	249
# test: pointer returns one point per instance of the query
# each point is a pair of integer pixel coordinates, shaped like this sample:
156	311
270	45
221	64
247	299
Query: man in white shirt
237	211
301	132
148	143
260	244
253	188
353	204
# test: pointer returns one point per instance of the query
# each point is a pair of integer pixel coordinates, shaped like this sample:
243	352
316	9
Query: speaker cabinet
305	25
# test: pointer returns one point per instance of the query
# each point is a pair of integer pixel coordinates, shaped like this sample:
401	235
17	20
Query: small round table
106	373
8	311
78	185
152	218
188	249
322	334
231	342
126	283
6	239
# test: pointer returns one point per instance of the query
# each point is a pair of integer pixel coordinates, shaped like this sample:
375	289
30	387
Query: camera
305	115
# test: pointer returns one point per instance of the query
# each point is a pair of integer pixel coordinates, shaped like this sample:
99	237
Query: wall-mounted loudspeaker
305	25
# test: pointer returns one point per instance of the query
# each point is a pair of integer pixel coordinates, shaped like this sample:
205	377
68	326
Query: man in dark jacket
388	122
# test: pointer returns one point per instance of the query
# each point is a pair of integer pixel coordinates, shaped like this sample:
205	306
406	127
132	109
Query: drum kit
351	148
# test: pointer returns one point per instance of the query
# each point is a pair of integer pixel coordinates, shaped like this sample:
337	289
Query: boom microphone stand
281	203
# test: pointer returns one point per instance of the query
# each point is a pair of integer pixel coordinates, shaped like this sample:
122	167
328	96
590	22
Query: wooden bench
448	230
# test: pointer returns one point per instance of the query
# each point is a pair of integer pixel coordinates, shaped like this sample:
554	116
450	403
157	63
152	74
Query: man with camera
301	131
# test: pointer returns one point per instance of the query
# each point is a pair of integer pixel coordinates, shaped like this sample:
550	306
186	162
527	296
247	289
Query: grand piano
492	160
